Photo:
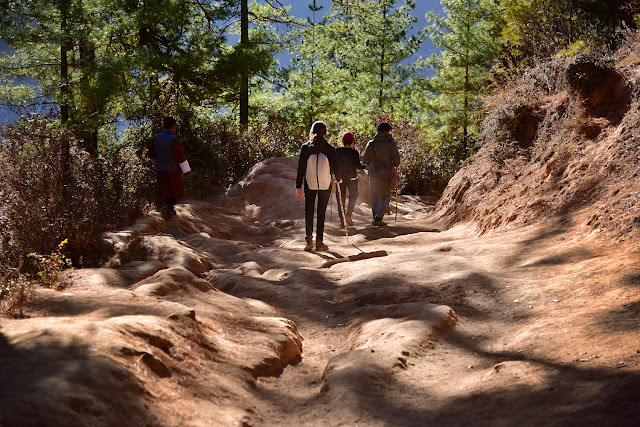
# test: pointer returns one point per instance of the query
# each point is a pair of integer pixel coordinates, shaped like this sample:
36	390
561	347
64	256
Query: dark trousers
380	195
352	186
310	204
170	188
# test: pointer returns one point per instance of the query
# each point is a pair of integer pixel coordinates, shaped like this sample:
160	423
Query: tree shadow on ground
47	382
389	231
568	395
625	317
57	305
539	242
308	287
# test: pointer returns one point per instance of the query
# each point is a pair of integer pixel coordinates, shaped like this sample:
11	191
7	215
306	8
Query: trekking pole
397	182
344	219
396	220
331	203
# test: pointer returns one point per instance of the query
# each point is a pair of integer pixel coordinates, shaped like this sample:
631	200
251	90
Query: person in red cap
349	160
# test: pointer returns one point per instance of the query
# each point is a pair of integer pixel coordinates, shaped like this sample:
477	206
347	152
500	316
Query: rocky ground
217	317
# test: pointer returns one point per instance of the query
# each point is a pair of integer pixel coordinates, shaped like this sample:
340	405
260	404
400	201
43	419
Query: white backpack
318	172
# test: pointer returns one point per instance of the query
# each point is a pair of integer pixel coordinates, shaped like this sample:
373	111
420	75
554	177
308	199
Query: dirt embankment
510	304
562	143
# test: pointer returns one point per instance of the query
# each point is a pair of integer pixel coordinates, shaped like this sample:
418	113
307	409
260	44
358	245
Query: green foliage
426	167
537	29
104	61
469	45
50	267
348	65
99	63
222	153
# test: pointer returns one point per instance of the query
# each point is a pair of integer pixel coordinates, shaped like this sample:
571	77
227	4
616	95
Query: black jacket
349	160
308	149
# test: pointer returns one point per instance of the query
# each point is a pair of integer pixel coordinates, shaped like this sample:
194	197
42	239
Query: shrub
50	267
53	190
14	291
219	152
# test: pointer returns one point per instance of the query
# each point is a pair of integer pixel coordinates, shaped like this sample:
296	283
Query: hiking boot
321	246
349	220
309	246
378	222
166	215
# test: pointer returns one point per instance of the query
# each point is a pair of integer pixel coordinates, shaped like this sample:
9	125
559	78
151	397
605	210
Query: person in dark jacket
382	159
349	161
167	155
317	160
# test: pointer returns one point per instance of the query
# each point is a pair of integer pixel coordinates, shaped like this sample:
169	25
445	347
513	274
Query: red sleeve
178	151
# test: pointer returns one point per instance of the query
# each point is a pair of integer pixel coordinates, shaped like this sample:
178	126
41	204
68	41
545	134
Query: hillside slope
560	146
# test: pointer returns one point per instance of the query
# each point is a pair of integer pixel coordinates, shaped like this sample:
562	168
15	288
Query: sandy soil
218	317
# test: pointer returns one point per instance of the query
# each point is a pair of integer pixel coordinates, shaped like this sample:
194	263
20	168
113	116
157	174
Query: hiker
382	159
167	155
349	161
317	160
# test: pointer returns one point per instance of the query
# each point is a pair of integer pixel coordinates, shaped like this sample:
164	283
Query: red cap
348	138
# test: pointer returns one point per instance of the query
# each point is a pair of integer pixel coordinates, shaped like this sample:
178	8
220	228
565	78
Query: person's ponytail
317	132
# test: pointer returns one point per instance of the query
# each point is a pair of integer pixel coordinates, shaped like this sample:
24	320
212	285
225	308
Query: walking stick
397	182
331	203
344	218
396	220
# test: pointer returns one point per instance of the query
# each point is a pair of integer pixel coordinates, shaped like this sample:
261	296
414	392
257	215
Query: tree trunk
244	77
381	91
64	63
465	120
88	132
65	47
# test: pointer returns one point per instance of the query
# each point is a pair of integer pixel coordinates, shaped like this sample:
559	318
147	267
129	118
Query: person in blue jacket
166	152
316	163
349	161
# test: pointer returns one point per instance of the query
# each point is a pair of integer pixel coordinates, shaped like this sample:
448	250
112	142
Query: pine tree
370	40
350	66
468	41
101	61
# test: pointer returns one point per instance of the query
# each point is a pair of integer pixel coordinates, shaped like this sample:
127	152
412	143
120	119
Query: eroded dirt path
200	321
530	347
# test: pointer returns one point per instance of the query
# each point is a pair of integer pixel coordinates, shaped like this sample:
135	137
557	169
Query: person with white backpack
317	161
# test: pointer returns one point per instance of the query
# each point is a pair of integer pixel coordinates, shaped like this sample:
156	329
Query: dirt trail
533	345
218	317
